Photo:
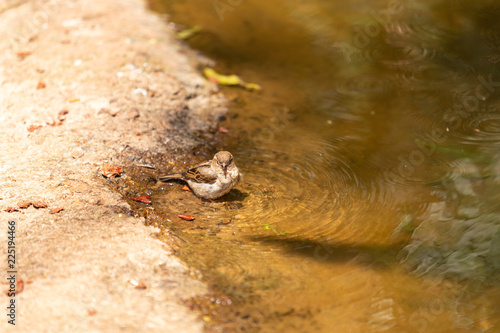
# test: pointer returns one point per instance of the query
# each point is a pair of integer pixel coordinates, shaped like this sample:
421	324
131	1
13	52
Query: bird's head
224	159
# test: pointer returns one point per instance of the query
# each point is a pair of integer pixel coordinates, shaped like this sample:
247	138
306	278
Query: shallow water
371	189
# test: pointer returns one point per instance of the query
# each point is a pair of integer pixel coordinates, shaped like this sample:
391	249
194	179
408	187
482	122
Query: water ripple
315	194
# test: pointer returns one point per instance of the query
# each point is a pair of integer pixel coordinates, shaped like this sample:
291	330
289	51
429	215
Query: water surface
370	200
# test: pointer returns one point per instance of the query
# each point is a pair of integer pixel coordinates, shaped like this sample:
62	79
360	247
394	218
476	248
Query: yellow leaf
229	80
252	86
189	32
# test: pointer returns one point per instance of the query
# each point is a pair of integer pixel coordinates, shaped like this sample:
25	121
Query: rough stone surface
80	82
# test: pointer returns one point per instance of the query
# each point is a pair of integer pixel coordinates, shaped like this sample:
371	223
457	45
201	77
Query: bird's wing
201	173
171	176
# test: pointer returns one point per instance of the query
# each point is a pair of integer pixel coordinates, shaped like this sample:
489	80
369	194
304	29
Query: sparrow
210	179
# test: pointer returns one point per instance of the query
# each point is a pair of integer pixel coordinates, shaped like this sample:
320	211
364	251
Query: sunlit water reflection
370	200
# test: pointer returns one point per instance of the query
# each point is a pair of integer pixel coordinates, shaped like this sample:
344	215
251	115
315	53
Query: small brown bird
211	179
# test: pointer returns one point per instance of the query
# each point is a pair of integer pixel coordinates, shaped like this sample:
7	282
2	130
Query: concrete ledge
79	82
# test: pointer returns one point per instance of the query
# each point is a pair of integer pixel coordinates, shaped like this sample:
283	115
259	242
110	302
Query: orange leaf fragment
186	217
56	210
11	209
41	85
20	286
185	188
141	285
31	128
24	204
143	198
24	54
111	171
39	204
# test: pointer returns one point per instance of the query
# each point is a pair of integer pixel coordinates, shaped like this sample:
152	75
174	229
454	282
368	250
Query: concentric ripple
312	193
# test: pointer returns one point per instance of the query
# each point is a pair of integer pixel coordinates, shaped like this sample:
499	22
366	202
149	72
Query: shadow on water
328	252
370	199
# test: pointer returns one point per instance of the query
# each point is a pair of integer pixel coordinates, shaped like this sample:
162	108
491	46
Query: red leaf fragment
41	85
56	210
39	204
186	217
24	204
143	198
110	171
186	188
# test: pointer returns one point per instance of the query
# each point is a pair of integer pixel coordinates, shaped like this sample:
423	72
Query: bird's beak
224	168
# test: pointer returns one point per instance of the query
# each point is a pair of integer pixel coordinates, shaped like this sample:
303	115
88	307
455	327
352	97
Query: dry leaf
20	286
22	55
41	85
188	33
186	188
140	285
186	217
143	198
39	204
11	209
228	80
110	171
24	204
56	210
31	128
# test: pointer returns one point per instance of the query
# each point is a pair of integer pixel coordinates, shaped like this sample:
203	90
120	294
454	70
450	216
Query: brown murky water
371	194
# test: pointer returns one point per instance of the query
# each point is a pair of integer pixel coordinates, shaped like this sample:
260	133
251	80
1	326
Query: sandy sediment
80	82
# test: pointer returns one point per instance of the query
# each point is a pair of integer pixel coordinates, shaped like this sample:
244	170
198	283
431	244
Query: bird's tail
171	176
